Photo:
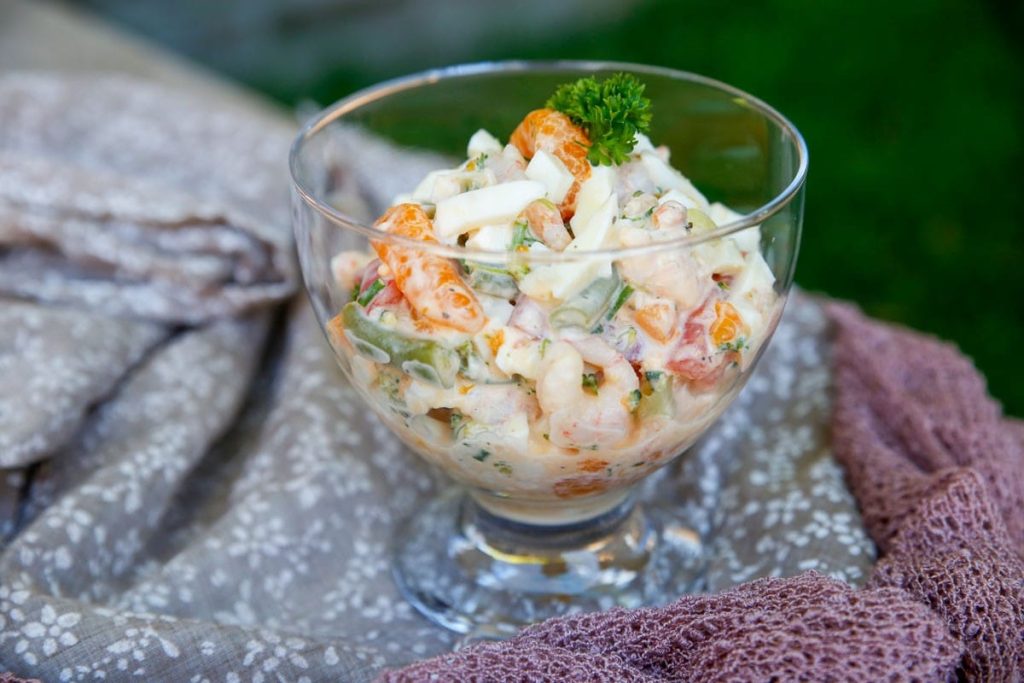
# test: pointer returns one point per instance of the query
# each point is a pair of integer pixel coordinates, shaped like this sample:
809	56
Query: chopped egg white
668	178
549	169
593	193
487	206
748	240
721	256
754	284
482	142
564	280
491	238
519	354
440	185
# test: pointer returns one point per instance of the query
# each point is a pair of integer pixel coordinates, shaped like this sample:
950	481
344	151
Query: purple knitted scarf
939	474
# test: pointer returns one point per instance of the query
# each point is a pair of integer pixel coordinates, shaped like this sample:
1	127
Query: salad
545	379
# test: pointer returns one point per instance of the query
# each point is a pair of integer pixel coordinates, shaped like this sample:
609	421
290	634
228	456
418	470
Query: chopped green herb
738	345
624	294
634	399
521	236
503	467
371	291
611	111
544	344
627	338
638	193
590	382
653	375
722	284
481	456
457	421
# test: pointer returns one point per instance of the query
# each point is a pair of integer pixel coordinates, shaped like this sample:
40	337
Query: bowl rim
430	76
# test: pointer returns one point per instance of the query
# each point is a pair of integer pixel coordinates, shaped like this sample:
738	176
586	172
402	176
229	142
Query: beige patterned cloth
189	489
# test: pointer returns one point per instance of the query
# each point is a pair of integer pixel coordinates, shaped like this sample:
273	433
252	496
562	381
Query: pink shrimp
545	222
577	419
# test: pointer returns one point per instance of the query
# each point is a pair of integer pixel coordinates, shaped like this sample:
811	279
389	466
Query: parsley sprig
612	112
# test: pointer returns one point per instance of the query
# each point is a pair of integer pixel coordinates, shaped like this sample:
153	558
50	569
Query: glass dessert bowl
551	316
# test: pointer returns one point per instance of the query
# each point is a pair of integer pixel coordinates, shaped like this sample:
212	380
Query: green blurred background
913	112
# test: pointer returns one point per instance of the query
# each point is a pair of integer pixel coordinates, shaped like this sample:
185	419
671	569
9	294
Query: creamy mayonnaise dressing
585	375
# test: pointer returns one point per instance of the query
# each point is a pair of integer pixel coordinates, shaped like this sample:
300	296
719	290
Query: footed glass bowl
578	371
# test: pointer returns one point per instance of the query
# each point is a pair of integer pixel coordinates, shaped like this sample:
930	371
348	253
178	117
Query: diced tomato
693	358
369	275
389	296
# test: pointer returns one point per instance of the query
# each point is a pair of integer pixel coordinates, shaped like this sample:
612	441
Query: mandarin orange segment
430	283
727	324
657	320
555	133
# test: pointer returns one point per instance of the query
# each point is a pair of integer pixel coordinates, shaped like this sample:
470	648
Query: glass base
487	577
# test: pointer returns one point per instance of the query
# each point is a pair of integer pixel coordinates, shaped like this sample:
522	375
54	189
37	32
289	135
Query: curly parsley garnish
612	112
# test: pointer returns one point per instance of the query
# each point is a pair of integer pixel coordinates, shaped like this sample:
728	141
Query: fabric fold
126	199
55	364
936	468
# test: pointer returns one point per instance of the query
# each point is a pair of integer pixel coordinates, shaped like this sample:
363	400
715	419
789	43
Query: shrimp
545	222
670	274
577	419
431	284
553	132
669	216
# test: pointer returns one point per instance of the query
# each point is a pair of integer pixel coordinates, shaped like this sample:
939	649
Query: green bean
490	280
420	358
586	308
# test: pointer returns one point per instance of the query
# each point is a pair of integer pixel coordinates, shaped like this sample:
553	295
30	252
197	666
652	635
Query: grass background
914	115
